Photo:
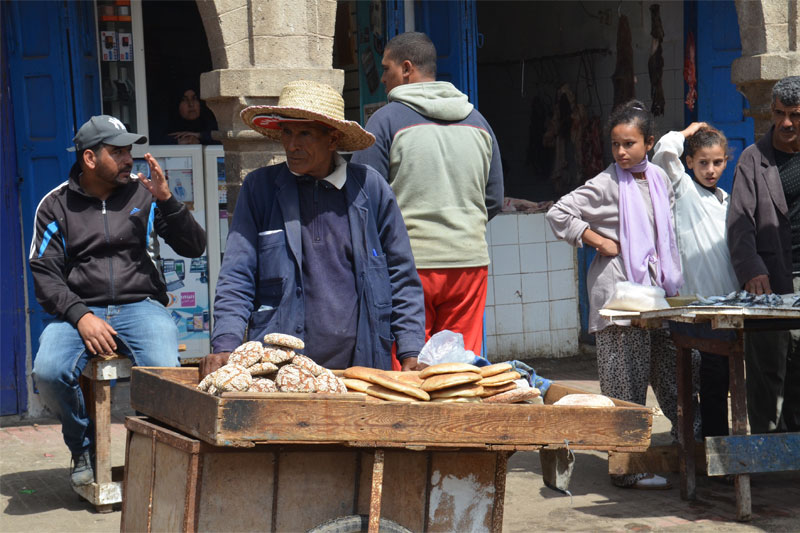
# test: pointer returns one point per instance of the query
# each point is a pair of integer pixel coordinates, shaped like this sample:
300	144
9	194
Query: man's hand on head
97	335
212	362
157	184
758	285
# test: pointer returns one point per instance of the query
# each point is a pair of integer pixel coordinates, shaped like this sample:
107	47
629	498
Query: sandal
652	482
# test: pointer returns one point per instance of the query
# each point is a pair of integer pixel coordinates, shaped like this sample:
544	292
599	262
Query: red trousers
455	299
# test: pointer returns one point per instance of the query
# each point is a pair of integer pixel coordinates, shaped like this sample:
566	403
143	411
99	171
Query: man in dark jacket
317	247
93	258
764	241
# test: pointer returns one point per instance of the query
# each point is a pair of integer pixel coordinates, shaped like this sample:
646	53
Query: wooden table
739	454
299	459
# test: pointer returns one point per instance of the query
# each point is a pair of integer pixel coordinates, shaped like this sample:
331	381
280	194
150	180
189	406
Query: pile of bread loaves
446	382
271	367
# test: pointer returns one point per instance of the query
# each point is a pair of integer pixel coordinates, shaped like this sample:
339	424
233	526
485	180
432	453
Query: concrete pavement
35	494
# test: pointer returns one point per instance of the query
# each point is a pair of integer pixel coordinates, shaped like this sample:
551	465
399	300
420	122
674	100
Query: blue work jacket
260	286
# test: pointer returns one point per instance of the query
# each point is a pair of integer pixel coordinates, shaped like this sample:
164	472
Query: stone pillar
257	46
769	30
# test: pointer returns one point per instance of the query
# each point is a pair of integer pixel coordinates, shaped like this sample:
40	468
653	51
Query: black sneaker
82	472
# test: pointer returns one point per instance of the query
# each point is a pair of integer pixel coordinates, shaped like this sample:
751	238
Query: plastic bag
629	296
445	347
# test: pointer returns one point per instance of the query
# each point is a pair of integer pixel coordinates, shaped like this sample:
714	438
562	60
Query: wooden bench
96	384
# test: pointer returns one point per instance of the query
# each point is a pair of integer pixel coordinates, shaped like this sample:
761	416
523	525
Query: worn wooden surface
285	488
657	459
741	454
172	398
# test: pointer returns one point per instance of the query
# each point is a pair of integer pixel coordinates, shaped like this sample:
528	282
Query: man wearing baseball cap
93	257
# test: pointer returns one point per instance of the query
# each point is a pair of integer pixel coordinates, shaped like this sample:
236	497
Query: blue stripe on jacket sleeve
52	229
150	220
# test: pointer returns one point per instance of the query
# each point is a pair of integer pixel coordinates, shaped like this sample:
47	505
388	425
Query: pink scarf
636	236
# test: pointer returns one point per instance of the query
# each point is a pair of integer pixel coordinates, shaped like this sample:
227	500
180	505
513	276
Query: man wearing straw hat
441	158
318	248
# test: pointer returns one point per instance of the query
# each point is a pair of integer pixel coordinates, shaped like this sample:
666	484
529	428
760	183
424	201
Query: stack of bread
271	367
445	382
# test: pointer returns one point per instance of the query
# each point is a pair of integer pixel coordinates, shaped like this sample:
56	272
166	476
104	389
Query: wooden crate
178	483
169	395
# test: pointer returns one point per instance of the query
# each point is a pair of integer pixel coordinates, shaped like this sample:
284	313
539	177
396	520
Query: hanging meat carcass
655	64
623	78
690	72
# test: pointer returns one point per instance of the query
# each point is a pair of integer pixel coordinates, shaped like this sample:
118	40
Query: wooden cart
739	454
289	462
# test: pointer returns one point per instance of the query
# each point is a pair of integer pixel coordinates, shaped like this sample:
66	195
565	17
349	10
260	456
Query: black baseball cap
104	129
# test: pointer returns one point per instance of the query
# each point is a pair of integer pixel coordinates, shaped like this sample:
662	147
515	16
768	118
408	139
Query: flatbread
491	391
446	368
361	372
443	381
388	394
399	386
458	400
497	368
500	379
586	400
514	396
411	378
470	390
358	385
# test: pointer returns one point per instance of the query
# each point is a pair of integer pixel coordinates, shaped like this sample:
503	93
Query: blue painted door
718	101
452	26
53	76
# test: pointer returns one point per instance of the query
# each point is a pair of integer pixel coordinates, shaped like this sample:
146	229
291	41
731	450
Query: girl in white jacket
700	211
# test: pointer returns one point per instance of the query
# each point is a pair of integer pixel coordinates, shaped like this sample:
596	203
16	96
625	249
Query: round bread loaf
262	369
497	368
306	362
400	386
443	381
491	391
281	339
277	355
470	390
586	400
326	381
207	381
446	368
232	377
247	354
292	378
361	372
499	379
457	400
383	393
358	385
514	396
263	385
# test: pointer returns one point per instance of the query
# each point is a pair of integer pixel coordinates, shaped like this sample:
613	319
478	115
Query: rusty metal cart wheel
357	524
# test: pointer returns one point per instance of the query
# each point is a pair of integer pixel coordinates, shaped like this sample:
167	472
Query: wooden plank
405	479
500	472
236	491
137	483
150	429
462	491
376	492
102	431
430	422
317	396
657	459
169	491
747	454
169	395
715	346
686	423
314	487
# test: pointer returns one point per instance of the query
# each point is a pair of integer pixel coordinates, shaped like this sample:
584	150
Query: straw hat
308	100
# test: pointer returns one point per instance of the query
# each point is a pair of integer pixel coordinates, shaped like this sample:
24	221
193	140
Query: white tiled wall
531	302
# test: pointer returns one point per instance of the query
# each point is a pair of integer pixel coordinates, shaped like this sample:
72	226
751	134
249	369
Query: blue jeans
145	332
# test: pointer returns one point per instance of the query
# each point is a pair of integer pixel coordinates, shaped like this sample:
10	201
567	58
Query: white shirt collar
339	174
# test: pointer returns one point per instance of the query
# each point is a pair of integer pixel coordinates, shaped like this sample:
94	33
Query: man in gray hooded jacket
442	160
